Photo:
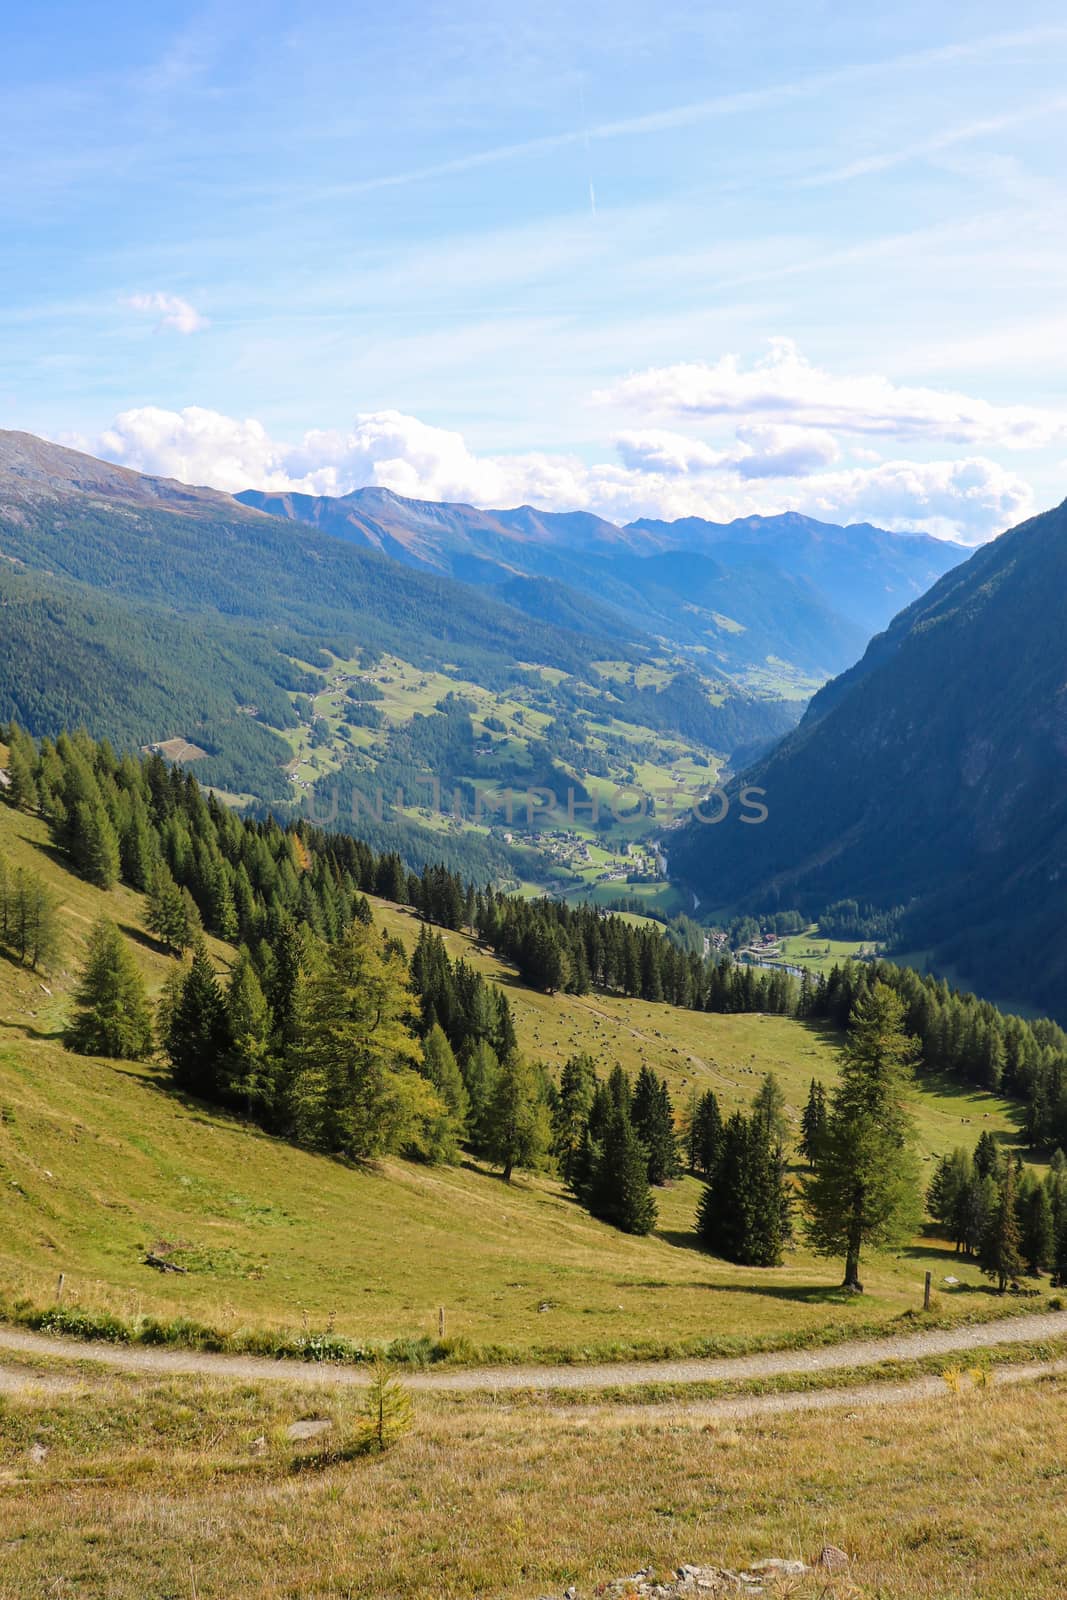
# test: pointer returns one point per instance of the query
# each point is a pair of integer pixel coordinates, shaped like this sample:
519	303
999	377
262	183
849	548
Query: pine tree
1036	1233
96	845
705	1135
29	922
768	1106
480	1069
197	1038
354	1050
388	1410
986	1156
813	1123
864	1189
1000	1254
652	1116
249	1071
21	791
743	1214
577	1085
518	1132
113	1017
441	1068
618	1187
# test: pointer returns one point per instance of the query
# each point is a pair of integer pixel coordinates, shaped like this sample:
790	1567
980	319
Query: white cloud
173	312
770	469
770	450
675	454
785	387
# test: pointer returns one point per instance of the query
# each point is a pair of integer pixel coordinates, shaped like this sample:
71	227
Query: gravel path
849	1353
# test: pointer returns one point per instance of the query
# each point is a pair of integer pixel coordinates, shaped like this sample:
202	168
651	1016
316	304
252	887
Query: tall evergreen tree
1000	1252
1037	1238
112	1015
95	844
519	1133
704	1138
197	1038
865	1190
813	1123
440	1066
743	1214
618	1186
768	1107
354	1048
652	1115
577	1086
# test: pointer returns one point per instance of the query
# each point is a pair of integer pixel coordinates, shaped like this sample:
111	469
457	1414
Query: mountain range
746	597
931	777
149	611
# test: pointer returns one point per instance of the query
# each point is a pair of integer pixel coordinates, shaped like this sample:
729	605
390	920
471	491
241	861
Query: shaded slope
933	775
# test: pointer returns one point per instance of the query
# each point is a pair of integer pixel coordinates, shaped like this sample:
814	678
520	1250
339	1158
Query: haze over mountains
932	776
805	593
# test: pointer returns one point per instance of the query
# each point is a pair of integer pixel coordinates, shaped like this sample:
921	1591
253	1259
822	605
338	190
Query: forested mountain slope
154	612
805	593
932	776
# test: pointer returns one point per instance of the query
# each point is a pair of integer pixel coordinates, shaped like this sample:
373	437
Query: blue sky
648	260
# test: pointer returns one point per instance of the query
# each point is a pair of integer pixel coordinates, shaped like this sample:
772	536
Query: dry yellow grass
151	1492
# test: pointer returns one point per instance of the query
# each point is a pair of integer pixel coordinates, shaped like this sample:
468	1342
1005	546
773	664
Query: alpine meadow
533	803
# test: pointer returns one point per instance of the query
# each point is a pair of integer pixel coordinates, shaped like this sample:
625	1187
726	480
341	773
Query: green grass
100	1161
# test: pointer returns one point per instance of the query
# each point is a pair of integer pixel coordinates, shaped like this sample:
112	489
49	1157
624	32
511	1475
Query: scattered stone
695	1583
833	1559
258	1447
311	1429
38	1453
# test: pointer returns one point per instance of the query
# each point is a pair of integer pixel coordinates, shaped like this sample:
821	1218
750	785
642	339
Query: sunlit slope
101	1161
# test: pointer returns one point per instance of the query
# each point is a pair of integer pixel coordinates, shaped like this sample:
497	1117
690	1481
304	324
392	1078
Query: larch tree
864	1190
112	1016
519	1133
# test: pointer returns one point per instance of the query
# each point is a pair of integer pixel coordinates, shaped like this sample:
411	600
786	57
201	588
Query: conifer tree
743	1214
518	1131
197	1039
1036	1233
249	1067
354	1048
481	1069
705	1135
577	1085
864	1189
618	1189
986	1156
768	1106
112	1016
95	844
652	1116
1000	1254
813	1123
441	1068
29	922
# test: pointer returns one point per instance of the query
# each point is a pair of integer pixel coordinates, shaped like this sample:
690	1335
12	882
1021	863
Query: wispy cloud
741	102
946	139
174	313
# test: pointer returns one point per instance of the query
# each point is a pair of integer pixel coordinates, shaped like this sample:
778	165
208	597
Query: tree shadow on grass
28	1031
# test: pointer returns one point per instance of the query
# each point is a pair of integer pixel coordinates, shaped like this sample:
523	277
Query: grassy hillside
100	1161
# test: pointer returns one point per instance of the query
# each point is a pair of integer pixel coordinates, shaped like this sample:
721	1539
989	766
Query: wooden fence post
926	1291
